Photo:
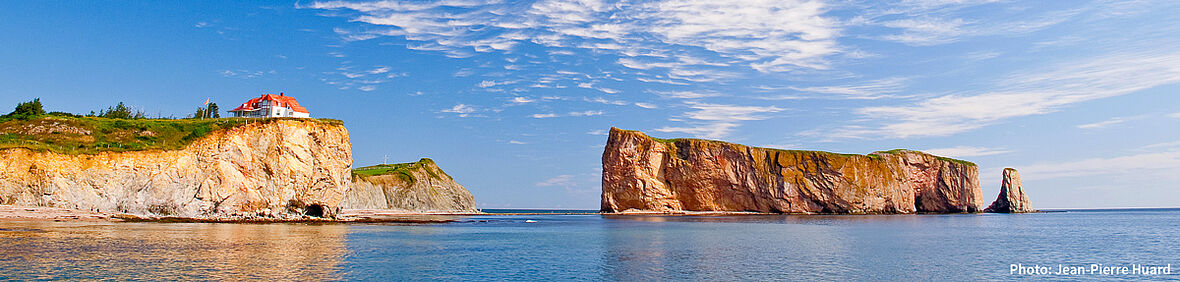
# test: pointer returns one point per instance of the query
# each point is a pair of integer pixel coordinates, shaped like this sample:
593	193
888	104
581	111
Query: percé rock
419	186
1012	198
277	167
643	174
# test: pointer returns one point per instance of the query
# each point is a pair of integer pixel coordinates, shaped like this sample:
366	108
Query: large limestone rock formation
1012	198
643	174
419	187
281	167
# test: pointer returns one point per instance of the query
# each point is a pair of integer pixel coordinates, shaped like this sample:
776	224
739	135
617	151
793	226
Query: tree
212	112
200	113
27	110
121	111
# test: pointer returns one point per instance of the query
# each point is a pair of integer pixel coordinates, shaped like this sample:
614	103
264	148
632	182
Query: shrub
27	110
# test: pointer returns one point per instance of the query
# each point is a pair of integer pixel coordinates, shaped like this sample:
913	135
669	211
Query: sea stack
644	174
1012	198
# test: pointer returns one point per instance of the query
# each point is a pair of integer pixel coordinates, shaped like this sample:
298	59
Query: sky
514	98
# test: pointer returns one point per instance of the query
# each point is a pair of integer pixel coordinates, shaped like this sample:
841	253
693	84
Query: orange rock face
1012	198
642	174
280	167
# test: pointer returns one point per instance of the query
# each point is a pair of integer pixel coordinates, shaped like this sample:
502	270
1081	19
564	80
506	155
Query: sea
552	245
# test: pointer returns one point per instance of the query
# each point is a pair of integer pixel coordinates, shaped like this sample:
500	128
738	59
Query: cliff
276	167
1012	198
644	174
419	186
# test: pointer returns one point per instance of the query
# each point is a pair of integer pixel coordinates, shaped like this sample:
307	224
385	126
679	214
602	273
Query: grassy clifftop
404	171
90	135
874	155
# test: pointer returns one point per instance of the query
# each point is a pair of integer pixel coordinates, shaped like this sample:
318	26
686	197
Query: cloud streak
683	38
718	120
1022	94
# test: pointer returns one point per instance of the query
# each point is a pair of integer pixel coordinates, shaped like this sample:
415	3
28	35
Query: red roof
280	100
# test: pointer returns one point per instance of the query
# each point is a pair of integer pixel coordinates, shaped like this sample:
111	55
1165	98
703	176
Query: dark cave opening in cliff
314	210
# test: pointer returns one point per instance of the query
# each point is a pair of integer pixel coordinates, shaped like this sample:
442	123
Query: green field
89	135
402	170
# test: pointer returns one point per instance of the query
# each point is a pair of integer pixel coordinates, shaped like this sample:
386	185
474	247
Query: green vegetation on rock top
898	151
874	155
402	170
72	134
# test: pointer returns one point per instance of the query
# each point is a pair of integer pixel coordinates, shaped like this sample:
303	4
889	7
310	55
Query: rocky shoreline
12	212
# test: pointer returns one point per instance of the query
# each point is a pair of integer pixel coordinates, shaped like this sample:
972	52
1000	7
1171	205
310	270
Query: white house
270	105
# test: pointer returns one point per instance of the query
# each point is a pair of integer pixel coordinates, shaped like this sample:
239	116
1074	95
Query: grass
404	171
874	155
92	135
898	151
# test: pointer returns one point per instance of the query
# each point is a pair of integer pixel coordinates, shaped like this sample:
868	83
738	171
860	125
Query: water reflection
725	247
89	250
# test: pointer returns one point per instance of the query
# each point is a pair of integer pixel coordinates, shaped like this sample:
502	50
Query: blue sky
513	98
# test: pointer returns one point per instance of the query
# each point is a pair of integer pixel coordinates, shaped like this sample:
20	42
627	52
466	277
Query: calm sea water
596	247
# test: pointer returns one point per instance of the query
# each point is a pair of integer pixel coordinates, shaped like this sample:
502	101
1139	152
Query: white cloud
1173	144
367	88
869	90
585	113
923	32
719	112
522	100
1034	92
715	130
645	105
597	132
1106	123
563	180
243	73
1175	115
379	70
923	24
966	151
606	101
636	64
718	120
1138	165
487	83
570	114
685	94
516	142
768	36
462	109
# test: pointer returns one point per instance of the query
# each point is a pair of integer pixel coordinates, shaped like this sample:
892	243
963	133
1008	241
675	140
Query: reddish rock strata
643	174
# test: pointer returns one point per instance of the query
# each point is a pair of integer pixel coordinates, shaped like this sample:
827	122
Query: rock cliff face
419	186
1012	198
643	174
277	167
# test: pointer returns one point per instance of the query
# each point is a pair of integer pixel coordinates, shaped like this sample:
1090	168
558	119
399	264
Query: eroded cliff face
1012	198
419	187
276	167
642	174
